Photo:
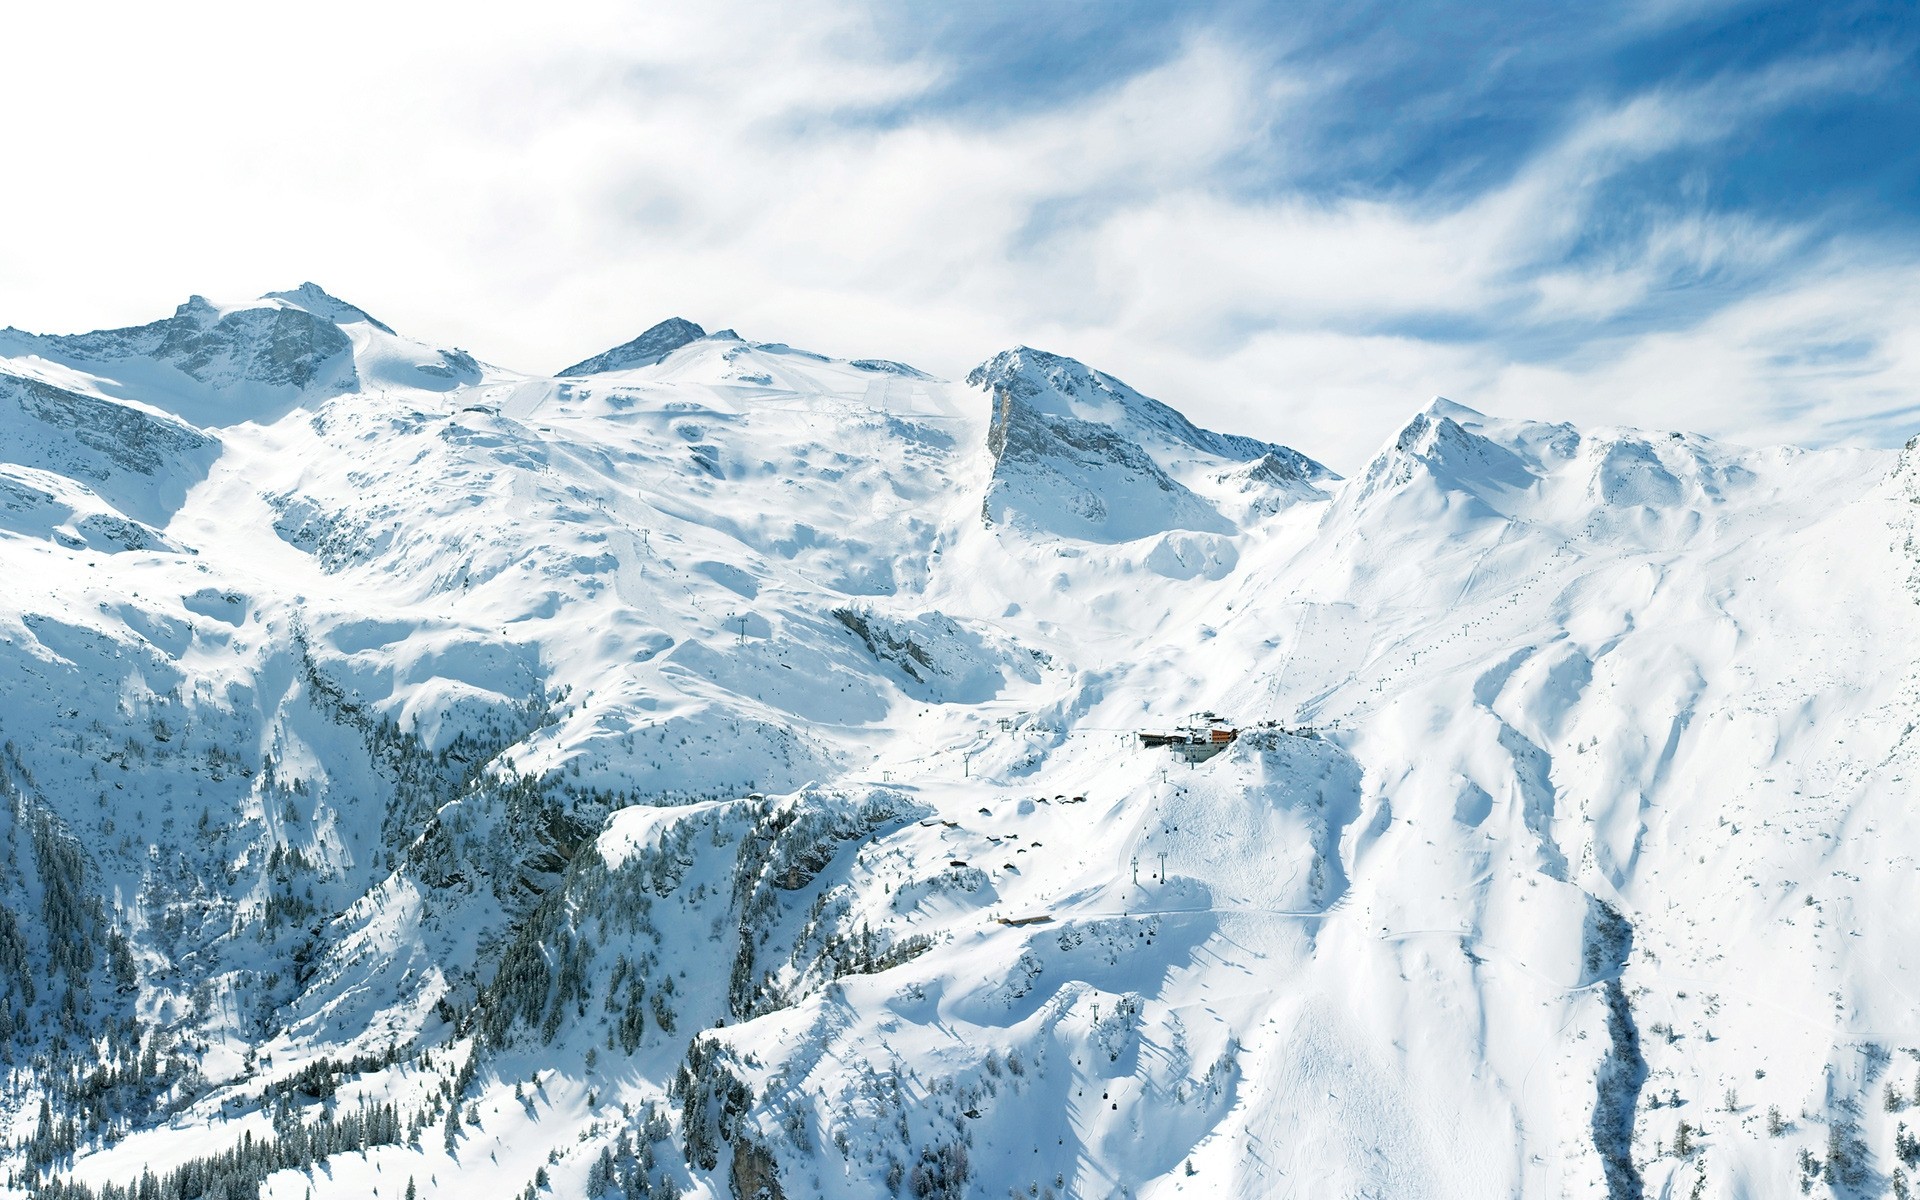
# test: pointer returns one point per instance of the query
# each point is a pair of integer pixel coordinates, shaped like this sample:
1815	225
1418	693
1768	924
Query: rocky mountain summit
644	351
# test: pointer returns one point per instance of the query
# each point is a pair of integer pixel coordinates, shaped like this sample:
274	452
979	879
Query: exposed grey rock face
1278	478
649	348
1282	465
124	436
316	300
1079	453
1021	433
57	512
455	366
138	462
886	366
267	345
1433	441
1053	384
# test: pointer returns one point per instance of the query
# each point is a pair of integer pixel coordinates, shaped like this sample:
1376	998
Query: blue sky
1297	221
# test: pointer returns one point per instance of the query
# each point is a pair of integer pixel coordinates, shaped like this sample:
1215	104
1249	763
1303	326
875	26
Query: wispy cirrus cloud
1294	223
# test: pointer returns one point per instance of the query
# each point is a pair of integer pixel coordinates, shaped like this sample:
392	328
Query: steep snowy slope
217	365
649	348
714	771
1079	454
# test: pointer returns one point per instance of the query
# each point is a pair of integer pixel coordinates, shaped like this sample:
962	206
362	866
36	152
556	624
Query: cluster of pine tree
626	991
99	1072
422	779
941	1173
787	847
321	1079
712	1102
626	1169
67	976
236	1174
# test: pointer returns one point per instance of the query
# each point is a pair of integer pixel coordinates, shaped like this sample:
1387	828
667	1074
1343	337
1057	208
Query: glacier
713	770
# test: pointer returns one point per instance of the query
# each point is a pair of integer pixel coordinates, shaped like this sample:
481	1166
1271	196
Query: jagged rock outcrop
649	348
279	345
1080	454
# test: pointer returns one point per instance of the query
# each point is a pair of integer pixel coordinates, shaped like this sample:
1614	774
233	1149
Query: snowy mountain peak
1053	386
1277	479
1440	406
1078	453
313	298
1443	440
1060	388
216	364
196	309
649	348
273	342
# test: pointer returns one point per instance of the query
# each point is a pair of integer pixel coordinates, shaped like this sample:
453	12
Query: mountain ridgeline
716	769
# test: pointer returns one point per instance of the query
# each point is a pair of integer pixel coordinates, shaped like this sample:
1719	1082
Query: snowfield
713	770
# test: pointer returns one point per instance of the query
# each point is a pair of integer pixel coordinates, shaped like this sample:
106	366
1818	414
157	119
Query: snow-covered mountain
644	351
1079	454
714	770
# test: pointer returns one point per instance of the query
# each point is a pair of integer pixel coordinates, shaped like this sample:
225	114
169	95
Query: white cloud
1830	355
538	182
